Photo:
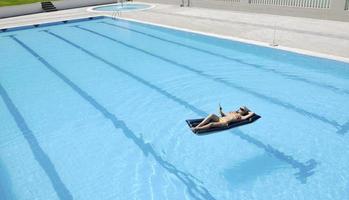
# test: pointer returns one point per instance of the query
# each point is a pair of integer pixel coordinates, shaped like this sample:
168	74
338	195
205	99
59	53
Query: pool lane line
195	190
256	66
222	81
40	156
305	169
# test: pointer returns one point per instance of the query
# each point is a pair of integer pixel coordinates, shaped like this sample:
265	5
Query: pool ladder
183	3
117	13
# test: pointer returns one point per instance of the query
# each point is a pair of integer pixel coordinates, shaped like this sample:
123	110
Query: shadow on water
219	80
194	186
5	184
40	156
305	170
344	129
256	66
249	170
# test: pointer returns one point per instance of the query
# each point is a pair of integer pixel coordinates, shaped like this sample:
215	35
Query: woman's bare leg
210	125
209	119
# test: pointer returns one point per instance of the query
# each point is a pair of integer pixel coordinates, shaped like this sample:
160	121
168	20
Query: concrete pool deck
322	38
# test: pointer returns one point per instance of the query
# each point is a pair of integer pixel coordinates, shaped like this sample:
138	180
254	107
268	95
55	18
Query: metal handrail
117	12
183	3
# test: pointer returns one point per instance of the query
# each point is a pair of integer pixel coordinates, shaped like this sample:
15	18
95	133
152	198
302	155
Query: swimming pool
96	109
123	7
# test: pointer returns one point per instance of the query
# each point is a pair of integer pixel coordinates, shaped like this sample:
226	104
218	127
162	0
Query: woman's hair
244	110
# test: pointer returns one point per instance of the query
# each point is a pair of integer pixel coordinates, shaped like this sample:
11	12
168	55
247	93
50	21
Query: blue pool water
96	110
123	7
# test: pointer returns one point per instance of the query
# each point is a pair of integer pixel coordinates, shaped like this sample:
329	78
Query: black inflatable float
194	122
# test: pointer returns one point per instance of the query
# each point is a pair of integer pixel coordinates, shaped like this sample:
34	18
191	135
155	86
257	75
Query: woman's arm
250	114
221	111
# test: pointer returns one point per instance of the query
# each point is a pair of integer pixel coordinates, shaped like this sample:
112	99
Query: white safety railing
295	3
229	1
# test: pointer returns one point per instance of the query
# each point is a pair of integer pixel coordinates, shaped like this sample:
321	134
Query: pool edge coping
45	24
247	41
220	36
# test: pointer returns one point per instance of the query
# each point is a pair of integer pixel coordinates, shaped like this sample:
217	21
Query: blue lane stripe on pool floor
259	67
305	169
224	82
40	156
196	190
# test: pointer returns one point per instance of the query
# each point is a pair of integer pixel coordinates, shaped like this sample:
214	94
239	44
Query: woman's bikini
230	116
